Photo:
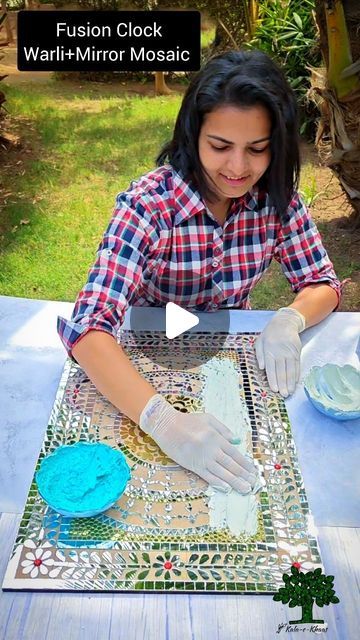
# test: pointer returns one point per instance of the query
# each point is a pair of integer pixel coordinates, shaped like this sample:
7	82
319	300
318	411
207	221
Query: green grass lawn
85	149
80	149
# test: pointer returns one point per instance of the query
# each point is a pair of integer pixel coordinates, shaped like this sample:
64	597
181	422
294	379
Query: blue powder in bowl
83	479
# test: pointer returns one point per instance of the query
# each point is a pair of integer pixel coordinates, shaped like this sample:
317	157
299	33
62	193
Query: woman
200	231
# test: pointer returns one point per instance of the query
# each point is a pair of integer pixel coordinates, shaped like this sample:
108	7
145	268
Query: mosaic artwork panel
158	536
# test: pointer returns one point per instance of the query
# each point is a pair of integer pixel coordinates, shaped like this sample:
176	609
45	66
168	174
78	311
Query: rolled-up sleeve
115	277
300	251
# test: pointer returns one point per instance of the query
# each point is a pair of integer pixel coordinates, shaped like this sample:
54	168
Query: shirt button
215	263
214	305
109	252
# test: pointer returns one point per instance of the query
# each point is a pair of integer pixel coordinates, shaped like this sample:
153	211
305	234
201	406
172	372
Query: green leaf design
216	558
193	558
146	557
204	574
255	576
292	604
229	574
192	575
286	578
319	602
334	600
215	574
158	572
229	558
204	558
142	575
277	597
317	572
133	557
129	575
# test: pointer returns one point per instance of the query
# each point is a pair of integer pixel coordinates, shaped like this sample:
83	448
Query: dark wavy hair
242	79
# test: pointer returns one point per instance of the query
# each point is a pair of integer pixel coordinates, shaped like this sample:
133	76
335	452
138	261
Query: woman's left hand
278	350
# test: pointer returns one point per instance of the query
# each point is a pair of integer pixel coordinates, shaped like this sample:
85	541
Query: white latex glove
278	350
199	442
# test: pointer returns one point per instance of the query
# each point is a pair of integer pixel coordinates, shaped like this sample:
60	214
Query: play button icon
178	320
173	338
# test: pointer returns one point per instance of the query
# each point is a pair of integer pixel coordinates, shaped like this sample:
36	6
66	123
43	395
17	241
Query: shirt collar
248	201
188	200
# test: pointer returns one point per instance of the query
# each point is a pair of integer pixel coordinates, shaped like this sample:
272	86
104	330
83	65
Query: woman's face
234	148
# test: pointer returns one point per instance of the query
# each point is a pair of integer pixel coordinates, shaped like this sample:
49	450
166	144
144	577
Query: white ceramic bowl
334	390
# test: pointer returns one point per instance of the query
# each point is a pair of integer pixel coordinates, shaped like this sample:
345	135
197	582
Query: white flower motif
37	561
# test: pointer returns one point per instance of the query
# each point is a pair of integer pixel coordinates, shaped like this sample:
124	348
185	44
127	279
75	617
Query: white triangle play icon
178	320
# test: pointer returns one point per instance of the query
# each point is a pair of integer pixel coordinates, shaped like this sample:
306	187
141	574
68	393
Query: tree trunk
7	24
161	88
336	92
352	16
306	615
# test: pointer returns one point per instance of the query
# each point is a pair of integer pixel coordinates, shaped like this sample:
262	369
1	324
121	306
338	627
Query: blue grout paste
83	479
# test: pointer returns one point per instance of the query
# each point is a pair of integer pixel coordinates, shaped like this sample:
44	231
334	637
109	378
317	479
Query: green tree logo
305	589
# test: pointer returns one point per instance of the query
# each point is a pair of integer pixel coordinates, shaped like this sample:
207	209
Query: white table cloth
31	362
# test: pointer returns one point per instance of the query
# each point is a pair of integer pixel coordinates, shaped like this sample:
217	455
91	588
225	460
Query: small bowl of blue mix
83	480
334	390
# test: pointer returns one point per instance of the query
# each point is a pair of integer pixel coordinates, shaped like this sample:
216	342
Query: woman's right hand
199	442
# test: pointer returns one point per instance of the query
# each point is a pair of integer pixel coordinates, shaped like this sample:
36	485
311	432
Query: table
31	362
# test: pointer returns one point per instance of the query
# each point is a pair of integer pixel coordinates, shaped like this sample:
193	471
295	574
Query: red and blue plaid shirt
163	245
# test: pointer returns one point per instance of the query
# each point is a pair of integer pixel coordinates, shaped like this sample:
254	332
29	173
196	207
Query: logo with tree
306	589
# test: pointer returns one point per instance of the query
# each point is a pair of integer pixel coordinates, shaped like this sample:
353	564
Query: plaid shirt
164	245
